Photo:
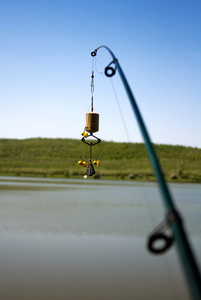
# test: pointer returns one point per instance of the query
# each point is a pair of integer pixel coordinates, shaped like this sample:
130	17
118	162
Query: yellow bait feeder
91	126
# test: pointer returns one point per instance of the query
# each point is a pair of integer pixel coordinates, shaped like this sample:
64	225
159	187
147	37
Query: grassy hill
59	157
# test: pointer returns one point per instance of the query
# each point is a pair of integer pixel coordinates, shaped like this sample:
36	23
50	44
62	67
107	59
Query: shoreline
93	178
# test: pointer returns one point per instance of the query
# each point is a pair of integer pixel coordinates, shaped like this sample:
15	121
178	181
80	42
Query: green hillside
59	158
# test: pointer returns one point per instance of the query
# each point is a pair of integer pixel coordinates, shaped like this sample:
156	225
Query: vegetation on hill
59	157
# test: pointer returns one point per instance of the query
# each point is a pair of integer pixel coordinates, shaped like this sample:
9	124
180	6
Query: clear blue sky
45	68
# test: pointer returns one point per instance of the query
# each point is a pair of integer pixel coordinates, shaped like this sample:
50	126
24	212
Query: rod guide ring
167	243
109	71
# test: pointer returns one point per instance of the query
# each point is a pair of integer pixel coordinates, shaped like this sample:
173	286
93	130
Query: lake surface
86	239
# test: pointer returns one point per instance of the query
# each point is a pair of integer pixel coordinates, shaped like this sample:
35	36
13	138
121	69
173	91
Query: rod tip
93	53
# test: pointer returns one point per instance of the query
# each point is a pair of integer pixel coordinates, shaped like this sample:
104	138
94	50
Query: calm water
86	239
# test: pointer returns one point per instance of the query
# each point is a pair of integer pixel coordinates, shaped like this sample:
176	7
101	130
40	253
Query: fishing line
92	86
96	60
90	107
116	97
120	111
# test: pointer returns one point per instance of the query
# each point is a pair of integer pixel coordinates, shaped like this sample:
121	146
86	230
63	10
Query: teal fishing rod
173	218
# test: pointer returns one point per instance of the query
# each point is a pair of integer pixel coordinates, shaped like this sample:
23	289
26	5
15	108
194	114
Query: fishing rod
173	220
